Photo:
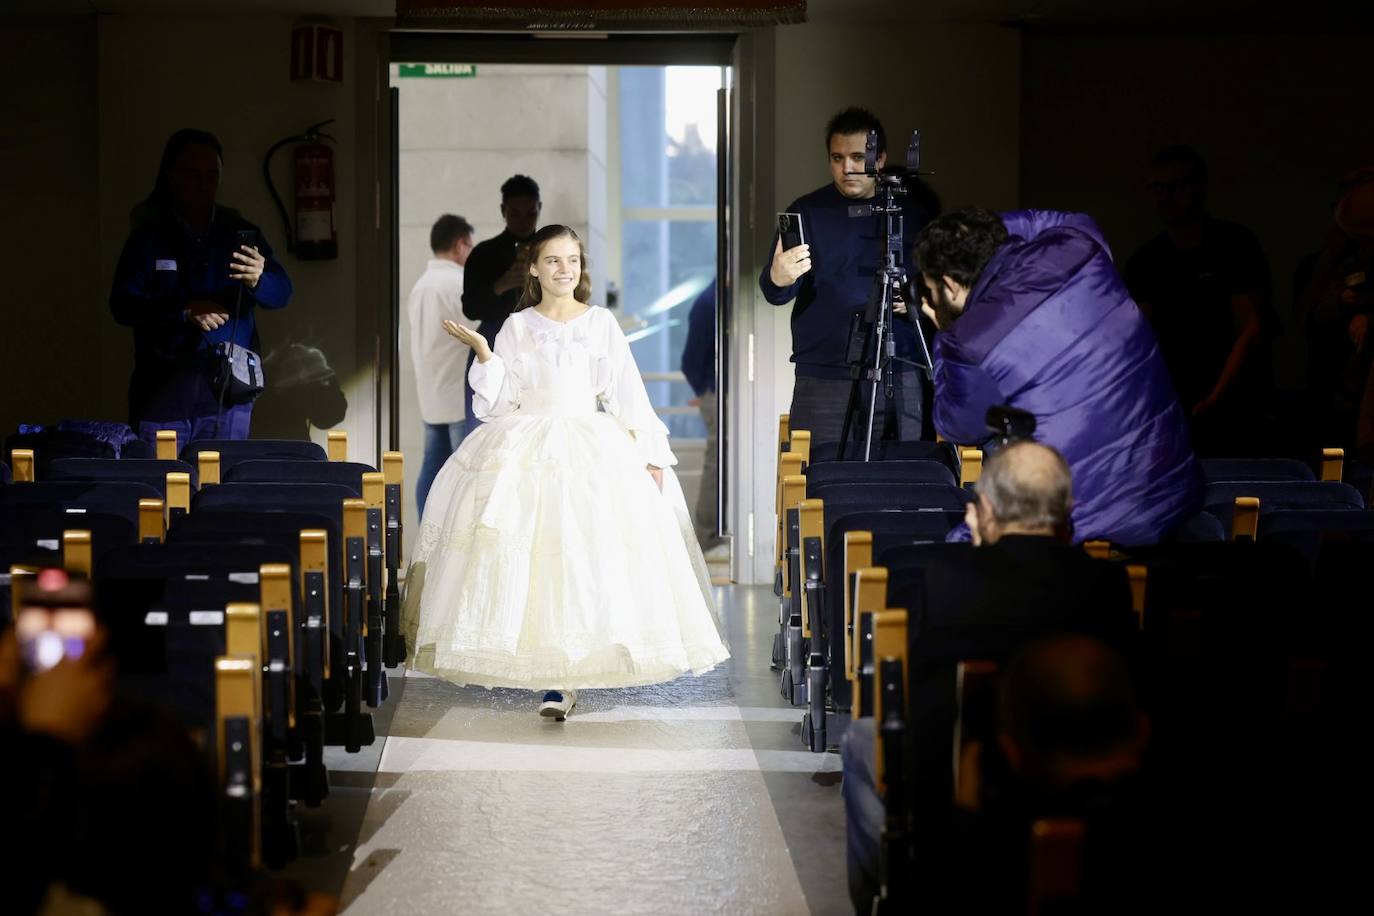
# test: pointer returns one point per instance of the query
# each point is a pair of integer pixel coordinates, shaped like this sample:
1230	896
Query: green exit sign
449	71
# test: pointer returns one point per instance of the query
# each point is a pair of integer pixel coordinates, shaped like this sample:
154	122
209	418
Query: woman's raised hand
469	337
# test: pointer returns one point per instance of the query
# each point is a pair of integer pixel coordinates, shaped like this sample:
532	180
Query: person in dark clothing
699	365
1337	298
1021	582
52	702
495	271
1070	743
1204	284
184	287
830	278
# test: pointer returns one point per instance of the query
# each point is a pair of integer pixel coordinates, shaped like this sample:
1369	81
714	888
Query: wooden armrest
1056	863
208	465
889	642
870	596
355	550
152	520
970	466
975	691
276	589
21	465
243	633
789	465
394	467
812	526
238	724
167	445
1138	574
858	553
77	556
315	560
1245	518
784	431
1333	464
801	445
19	574
338	445
793	495
178	493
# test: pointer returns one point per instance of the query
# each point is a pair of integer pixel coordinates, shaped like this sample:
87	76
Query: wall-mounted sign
450	71
317	53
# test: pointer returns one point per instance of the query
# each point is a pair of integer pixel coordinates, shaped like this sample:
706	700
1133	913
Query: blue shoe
557	704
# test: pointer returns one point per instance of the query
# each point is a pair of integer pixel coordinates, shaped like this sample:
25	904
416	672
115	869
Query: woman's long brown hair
533	293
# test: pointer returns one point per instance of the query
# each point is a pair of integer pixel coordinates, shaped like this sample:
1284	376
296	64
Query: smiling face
558	267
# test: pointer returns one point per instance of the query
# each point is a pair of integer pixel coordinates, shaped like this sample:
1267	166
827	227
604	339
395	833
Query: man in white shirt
440	361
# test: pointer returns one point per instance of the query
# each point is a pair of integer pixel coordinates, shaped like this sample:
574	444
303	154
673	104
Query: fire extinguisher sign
442	71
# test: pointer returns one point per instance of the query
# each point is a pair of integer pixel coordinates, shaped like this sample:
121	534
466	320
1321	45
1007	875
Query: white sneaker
557	704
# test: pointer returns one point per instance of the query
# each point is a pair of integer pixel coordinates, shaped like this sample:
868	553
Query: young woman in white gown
556	552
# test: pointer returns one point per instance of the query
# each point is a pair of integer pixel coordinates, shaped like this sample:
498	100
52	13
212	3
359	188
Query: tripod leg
849	410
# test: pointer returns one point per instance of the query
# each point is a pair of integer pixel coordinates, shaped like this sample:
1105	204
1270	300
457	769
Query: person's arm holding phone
253	264
790	262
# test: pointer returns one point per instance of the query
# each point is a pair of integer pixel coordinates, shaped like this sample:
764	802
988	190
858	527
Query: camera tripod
872	344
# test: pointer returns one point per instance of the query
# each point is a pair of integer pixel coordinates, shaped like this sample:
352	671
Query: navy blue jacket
699	353
162	268
845	257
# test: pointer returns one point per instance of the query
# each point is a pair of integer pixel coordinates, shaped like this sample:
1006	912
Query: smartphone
48	635
790	230
245	238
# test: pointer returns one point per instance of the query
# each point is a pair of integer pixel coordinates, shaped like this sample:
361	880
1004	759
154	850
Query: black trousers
818	405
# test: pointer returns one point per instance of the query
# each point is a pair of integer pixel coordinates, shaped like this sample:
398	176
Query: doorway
630	154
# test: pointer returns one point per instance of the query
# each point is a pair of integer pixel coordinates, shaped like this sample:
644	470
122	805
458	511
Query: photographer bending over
1033	314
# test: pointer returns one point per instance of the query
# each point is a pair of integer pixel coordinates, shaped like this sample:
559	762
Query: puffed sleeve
624	397
495	388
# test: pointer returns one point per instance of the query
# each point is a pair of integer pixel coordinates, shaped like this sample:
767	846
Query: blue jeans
441	440
235	426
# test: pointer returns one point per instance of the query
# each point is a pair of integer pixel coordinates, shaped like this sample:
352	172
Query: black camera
1009	424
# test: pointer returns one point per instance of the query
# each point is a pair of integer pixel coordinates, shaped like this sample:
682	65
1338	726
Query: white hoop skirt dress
547	557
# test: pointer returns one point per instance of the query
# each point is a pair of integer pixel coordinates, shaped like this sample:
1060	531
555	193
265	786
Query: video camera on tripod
872	346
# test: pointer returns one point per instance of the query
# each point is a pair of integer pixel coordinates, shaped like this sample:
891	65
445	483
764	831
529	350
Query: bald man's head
1025	488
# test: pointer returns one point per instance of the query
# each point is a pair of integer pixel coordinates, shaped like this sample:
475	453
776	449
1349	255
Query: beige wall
228	75
959	84
51	302
1279	119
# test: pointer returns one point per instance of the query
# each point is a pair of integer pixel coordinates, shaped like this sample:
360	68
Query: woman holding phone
189	281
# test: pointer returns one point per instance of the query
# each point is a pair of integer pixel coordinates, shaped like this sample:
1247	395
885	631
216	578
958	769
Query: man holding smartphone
495	271
829	277
189	279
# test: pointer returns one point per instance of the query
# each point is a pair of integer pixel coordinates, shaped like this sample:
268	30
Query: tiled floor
683	798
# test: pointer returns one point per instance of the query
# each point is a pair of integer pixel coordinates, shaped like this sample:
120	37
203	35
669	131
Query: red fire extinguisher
313	234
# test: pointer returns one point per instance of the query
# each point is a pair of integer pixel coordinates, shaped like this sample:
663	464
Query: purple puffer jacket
1050	328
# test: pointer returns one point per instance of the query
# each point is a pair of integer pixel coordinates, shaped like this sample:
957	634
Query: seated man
1022	581
1025	574
1070	743
1032	314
